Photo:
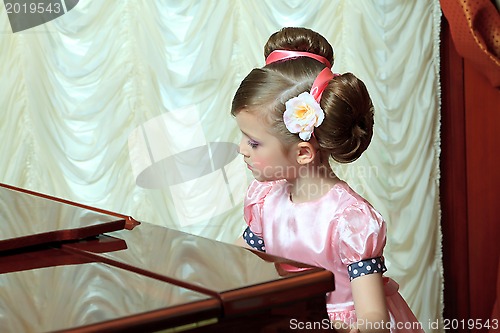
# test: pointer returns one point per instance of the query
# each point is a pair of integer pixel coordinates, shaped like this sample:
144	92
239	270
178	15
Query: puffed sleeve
362	233
253	204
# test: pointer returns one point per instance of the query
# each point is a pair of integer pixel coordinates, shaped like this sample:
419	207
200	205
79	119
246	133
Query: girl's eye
253	144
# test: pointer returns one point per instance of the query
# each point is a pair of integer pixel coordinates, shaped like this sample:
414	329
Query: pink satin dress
337	231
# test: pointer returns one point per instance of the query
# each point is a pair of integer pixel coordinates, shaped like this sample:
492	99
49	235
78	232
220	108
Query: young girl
294	113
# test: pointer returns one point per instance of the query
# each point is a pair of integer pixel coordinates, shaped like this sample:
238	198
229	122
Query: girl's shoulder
347	195
351	206
257	191
361	228
254	202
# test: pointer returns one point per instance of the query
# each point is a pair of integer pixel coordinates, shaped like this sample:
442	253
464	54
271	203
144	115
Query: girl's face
264	153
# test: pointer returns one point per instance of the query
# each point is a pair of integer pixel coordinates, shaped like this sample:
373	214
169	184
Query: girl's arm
369	303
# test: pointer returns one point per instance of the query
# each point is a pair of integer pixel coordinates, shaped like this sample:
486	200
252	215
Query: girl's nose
243	148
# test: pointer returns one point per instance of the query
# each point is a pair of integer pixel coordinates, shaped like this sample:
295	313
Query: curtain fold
88	101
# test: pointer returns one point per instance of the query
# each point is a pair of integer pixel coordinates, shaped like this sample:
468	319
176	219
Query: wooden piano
67	267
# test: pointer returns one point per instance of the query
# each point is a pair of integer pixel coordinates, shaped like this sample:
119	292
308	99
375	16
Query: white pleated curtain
89	102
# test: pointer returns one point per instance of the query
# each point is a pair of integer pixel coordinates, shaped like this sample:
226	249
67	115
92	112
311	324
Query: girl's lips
248	165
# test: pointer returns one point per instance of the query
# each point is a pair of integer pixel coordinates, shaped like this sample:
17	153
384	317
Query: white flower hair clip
302	114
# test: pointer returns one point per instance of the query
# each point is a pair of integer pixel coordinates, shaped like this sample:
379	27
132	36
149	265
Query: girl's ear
305	152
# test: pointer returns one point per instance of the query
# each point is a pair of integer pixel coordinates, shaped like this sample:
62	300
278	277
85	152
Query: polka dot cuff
253	240
365	267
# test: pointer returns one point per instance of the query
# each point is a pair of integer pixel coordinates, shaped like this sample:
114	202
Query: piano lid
28	219
137	276
68	292
209	266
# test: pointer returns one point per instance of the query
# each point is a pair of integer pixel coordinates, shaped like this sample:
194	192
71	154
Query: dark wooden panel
482	105
453	182
470	186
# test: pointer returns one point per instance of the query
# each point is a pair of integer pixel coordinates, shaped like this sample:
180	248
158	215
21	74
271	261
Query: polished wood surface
228	270
62	291
144	277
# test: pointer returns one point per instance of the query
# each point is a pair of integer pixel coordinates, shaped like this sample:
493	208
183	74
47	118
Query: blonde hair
347	128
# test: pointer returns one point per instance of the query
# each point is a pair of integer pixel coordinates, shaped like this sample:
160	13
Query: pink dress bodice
338	229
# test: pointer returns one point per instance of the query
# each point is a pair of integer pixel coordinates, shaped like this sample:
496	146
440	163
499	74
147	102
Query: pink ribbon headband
321	80
277	55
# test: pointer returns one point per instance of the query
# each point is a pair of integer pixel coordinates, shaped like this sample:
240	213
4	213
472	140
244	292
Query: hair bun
299	39
349	113
358	132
